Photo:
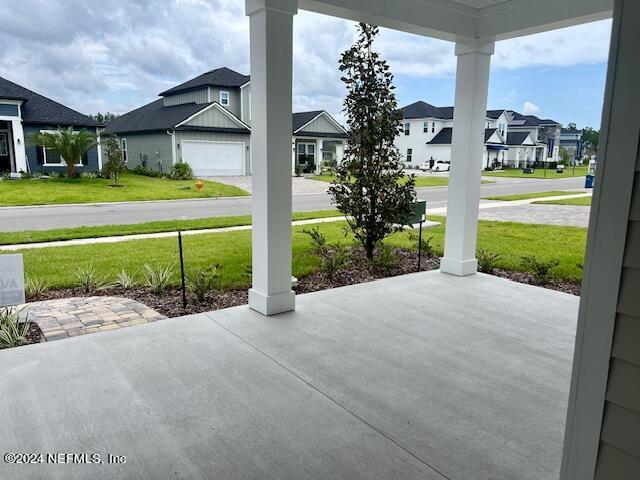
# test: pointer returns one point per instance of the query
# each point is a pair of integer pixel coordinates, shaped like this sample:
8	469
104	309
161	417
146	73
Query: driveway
299	185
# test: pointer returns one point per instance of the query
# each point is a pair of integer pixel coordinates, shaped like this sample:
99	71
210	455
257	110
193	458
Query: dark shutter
85	159
39	155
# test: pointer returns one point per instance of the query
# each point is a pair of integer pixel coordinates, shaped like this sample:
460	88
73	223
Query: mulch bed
357	271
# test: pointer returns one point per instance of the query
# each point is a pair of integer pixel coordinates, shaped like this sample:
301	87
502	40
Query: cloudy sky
116	55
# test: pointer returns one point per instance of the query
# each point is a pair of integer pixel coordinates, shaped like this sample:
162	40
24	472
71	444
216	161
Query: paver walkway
68	317
299	185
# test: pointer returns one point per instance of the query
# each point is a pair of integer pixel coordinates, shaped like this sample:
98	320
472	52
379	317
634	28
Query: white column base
457	267
272	304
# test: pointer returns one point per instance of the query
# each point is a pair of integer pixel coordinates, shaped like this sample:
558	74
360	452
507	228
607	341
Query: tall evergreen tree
371	188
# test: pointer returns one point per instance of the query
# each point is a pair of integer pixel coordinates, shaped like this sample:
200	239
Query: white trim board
220	108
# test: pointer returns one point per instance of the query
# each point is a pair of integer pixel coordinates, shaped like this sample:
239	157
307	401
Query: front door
307	157
5	152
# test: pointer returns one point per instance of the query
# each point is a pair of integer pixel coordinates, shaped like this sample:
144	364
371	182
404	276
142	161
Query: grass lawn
583	202
35	236
526	196
420	180
232	250
539	173
50	191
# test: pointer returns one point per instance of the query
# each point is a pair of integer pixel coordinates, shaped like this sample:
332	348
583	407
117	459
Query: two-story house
571	141
427	131
536	140
511	139
206	122
23	115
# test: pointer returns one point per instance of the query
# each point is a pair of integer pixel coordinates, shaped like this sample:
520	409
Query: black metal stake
420	246
184	289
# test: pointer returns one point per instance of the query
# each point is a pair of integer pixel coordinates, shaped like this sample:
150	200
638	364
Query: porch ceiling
457	20
417	376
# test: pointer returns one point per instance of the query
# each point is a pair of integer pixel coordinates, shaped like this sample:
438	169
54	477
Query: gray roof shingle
443	137
220	77
426	110
516	138
39	109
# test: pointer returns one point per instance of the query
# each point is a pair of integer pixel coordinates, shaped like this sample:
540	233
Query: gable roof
302	119
519	120
220	77
518	138
39	109
443	137
154	116
422	109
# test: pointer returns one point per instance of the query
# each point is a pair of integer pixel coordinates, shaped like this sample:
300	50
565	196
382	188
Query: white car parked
438	166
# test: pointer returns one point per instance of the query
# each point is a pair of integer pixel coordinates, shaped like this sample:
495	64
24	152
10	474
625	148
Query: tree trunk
70	169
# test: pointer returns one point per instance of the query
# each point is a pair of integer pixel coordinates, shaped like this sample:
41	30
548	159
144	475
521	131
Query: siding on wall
246	104
32	158
234	99
156	146
619	455
322	125
213	117
194	96
215	137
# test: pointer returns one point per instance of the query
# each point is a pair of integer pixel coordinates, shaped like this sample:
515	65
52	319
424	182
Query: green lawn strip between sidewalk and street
538	173
582	201
55	191
232	251
527	196
37	236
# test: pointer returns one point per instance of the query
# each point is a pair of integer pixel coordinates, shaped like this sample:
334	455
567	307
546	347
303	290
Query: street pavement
61	216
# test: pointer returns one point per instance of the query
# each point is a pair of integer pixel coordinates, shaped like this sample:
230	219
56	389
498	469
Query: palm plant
67	143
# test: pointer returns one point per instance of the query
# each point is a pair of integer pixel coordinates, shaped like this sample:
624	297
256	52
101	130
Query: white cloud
119	54
530	108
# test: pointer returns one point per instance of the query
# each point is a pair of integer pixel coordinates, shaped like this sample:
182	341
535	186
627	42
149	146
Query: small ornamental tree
371	188
69	145
114	165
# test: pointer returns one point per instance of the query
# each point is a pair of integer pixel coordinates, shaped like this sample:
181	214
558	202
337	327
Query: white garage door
214	158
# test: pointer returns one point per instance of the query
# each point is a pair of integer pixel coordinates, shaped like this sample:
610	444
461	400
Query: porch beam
467	145
271	55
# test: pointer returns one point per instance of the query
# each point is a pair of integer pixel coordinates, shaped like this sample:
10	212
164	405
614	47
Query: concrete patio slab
396	379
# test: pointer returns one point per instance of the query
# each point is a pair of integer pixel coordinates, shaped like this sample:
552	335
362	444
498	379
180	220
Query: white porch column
19	152
271	51
467	145
318	155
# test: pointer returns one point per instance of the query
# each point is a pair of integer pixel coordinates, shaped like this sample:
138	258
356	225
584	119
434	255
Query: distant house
510	138
206	122
24	113
427	131
570	140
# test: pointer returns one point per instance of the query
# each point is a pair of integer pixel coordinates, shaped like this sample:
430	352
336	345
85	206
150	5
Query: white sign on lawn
11	280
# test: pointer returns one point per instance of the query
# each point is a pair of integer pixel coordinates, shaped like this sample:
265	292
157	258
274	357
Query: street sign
11	280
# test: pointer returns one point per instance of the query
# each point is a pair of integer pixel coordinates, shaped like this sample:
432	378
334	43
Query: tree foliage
590	137
70	145
114	164
103	118
371	188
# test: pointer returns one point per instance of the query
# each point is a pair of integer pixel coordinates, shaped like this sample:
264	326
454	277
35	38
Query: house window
4	145
425	127
407	128
409	154
49	157
224	98
123	143
433	127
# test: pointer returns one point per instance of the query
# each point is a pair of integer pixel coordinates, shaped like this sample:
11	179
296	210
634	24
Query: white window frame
433	127
224	96
62	162
409	155
6	143
407	128
425	127
123	147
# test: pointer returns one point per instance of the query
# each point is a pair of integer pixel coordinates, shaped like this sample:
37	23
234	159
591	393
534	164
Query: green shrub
541	270
385	259
427	249
181	171
34	287
204	281
487	260
125	280
318	240
158	278
334	260
114	164
13	329
89	280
